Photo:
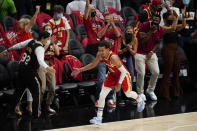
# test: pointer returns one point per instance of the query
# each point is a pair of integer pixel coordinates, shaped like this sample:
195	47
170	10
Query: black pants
30	80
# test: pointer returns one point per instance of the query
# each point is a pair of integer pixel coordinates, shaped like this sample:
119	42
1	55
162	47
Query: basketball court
179	122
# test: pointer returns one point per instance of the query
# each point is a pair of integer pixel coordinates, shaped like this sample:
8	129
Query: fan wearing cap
154	8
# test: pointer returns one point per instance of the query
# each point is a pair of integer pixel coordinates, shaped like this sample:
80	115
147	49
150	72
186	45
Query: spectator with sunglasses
149	37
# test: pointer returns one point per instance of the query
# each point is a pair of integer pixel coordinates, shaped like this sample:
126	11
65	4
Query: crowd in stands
136	29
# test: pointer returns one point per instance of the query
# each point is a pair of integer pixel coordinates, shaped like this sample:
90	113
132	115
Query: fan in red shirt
93	20
24	30
110	33
60	27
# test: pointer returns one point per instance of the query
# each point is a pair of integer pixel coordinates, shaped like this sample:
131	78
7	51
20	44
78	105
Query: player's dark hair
105	44
43	35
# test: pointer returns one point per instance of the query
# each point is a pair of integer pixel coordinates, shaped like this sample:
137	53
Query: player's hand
117	87
76	72
51	69
4	53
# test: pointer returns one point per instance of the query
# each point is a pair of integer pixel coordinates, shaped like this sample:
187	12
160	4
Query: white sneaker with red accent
111	103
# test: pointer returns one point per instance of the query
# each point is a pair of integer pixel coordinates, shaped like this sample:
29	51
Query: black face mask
128	37
93	14
105	22
169	22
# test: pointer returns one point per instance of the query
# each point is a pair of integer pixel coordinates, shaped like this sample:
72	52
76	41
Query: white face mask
48	42
50	32
60	15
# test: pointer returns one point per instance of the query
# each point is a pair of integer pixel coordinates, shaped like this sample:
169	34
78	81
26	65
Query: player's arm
15	47
115	60
87	67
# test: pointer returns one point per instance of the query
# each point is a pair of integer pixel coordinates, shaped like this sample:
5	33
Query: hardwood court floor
175	115
179	122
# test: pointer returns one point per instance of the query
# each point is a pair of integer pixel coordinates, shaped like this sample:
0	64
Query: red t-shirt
111	37
22	35
145	48
92	26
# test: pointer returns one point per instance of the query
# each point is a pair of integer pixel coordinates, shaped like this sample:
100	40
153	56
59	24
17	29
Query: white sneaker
141	105
143	96
111	103
96	120
152	95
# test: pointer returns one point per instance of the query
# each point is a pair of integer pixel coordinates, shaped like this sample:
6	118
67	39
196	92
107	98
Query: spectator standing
60	28
7	8
75	6
170	54
149	37
92	24
103	4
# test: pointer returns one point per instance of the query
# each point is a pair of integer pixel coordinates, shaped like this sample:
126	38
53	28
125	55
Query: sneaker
18	111
96	120
50	110
140	105
152	95
96	104
111	103
143	96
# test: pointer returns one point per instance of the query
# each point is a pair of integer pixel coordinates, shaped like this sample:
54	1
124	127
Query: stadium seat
4	77
129	15
5	59
81	32
120	26
68	93
8	23
86	59
26	16
13	68
72	35
75	48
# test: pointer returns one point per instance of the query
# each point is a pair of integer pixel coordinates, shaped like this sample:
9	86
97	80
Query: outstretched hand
4	53
76	72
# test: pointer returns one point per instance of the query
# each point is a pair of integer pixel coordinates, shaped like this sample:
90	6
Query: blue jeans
129	65
102	71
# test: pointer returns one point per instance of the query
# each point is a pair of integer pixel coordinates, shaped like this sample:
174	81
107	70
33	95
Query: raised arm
86	11
182	26
33	20
168	29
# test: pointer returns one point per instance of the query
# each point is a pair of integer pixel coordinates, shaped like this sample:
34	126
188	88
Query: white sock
100	114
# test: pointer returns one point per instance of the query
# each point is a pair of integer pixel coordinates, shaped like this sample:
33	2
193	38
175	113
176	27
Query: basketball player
117	77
